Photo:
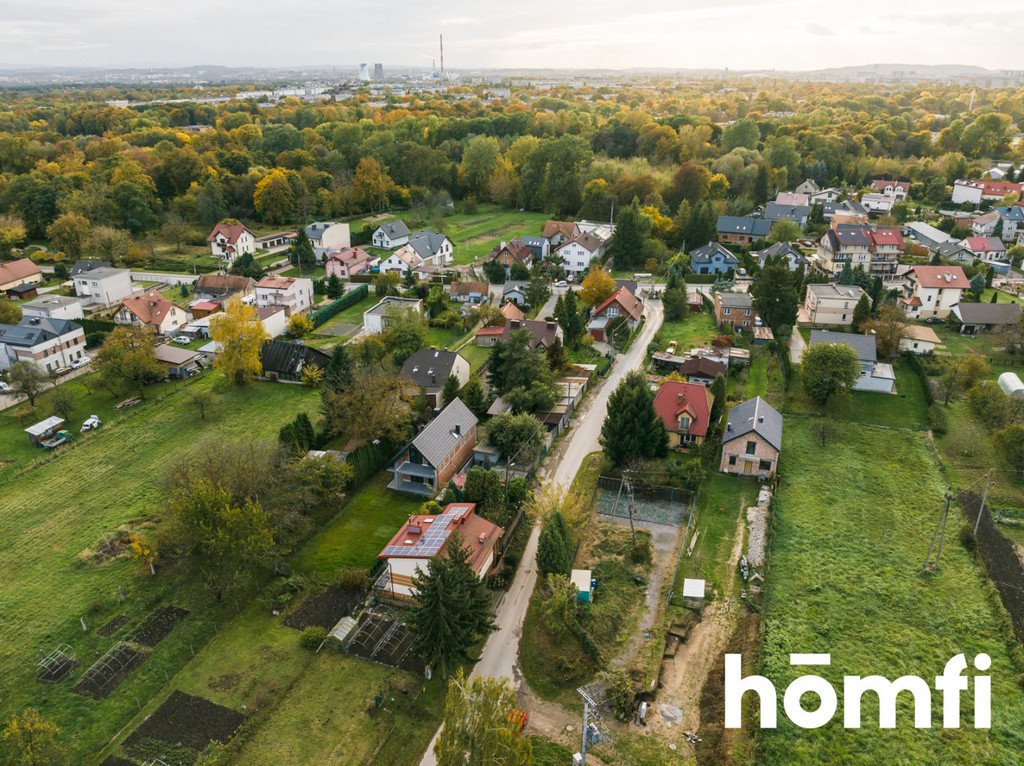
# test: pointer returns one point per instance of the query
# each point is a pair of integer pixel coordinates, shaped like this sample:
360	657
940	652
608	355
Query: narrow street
500	655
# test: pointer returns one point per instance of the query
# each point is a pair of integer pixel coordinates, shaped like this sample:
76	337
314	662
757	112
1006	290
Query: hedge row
95	325
922	375
367	459
348	299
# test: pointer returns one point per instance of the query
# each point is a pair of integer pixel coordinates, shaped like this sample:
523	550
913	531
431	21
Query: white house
329	234
934	290
966	191
103	287
391	234
898	190
432	247
831	194
375	319
152	310
919	339
874	375
50	344
229	241
294	293
578	253
402	260
53	307
877	203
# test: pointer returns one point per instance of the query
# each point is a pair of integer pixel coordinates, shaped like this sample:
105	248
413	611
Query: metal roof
864	345
43	426
429	367
438	439
395	229
757	416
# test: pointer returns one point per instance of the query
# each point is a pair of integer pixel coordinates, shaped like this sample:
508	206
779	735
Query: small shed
581	578
44	429
1011	384
693	593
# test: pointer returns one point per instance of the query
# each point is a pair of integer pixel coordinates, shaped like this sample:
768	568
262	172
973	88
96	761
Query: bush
937	419
334	307
640	552
312	637
352	578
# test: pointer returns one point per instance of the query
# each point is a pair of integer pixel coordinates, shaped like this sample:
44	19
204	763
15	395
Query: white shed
1011	384
581	578
693	593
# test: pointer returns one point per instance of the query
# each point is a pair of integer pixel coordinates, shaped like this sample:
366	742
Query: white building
50	344
53	307
295	294
391	234
578	253
329	235
934	290
919	339
376	319
402	260
103	287
229	241
877	203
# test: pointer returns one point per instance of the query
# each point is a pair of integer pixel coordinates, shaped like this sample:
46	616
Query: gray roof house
712	258
773	211
752	439
733	228
431	246
439	451
390	234
794	258
976	318
874	375
430	368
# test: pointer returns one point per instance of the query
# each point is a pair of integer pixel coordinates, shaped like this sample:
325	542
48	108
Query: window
684	423
727	312
732	460
765	465
844	317
751	448
748	312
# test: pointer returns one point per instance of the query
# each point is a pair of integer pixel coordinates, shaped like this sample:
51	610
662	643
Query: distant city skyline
599	34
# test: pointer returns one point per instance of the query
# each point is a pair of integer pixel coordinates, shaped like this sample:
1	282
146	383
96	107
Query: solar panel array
431	541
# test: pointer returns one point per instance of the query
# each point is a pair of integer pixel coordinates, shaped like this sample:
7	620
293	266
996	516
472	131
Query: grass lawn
441	337
986	297
309	272
845	578
475	355
752	380
695	330
54	512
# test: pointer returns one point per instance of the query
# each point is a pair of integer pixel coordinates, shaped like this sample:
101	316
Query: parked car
935	320
91	423
561	284
182	339
81	362
5	387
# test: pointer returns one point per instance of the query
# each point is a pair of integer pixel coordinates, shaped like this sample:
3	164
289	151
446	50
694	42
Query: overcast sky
740	34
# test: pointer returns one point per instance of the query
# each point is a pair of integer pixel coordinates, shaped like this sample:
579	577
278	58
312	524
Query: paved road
500	654
9	400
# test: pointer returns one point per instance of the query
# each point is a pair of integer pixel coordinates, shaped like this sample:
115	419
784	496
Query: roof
427	243
516	249
175	355
941	276
429	367
988	313
316	229
629	284
674	399
702	366
581	579
864	345
394	229
223	285
705	253
984	244
443	433
424	536
284	358
693	587
49	300
851	292
754	416
754	227
792	198
33	330
349	255
103	272
81	267
272	282
1011	212
624	298
513	287
511	311
150	307
19	269
43	426
735	300
468	288
204	306
922	230
541	333
553	228
231	232
533	241
921	332
586	240
391	301
881	183
784	249
774	211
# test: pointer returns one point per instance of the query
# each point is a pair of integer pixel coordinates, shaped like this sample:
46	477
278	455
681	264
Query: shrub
352	578
312	637
937	419
321	315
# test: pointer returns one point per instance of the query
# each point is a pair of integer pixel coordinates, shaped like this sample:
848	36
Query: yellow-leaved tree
597	285
241	335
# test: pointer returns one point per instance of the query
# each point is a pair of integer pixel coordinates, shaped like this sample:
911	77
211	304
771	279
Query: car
561	285
935	320
4	387
183	339
81	362
91	423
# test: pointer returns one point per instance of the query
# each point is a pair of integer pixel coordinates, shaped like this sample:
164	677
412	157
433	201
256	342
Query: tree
299	325
479	162
1010	442
472	395
537	291
703	225
372	185
776	295
514	364
632	429
210	204
241	335
108	243
479	727
554	547
690	184
69	233
220	542
483	487
127	360
201	399
557	358
339	372
375	406
889	329
12	233
62	401
761	191
742	133
519	437
453	609
784	231
569	318
26	380
405	333
274	198
596	286
494	271
301	251
30	739
10	312
829	369
334	287
675	303
386	284
450	391
960	373
824	431
632	228
861	314
978	284
718	391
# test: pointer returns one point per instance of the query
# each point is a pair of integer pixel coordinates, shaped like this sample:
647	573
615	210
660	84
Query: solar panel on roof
433	539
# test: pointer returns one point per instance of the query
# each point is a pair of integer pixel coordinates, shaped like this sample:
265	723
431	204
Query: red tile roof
150	307
349	256
231	232
626	301
479	536
675	398
983	244
565	228
517	250
887	236
19	269
275	283
999	188
941	276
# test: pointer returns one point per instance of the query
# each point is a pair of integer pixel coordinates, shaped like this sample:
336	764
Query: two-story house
580	251
390	235
343	263
50	344
103	287
153	311
898	190
933	290
752	439
403	260
735	309
430	368
295	294
558	232
434	248
621	303
685	409
20	272
874	375
775	211
829	305
712	258
327	235
874	249
794	259
439	451
229	241
738	230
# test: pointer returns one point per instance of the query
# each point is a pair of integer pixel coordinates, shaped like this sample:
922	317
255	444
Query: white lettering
735	687
887	691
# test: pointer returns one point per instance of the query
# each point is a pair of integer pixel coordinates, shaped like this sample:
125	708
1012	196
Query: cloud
819	29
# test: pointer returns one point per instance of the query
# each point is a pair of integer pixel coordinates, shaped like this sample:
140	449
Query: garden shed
581	578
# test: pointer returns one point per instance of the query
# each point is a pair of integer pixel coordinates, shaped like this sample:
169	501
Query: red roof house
685	409
620	303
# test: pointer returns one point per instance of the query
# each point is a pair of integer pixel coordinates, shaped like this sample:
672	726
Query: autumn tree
27	381
274	198
375	406
241	335
70	233
299	325
828	369
478	726
30	739
596	286
372	185
960	373
889	329
10	312
176	231
108	243
127	360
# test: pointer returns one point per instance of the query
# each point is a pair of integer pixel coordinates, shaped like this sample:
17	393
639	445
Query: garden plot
188	721
57	665
324	609
382	637
160	625
114	625
109	671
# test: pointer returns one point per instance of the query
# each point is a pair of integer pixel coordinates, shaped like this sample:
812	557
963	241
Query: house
603	231
977	318
283	360
752	439
736	309
274	319
829	305
877	203
430	368
977	191
985	225
200	309
557	232
991	250
1012	217
579	252
23	292
685	409
540	246
423	537
81	267
469	292
954	252
49	344
222	287
794	258
511	311
514	292
874	249
792	199
847	211
375	320
831	194
294	293
712	258
153	311
738	230
542	334
179	362
103	286
403	260
621	303
390	235
329	235
344	262
773	211
510	253
927	236
919	339
874	375
898	190
810	186
432	247
439	451
20	272
277	241
629	284
229	241
53	307
700	369
933	290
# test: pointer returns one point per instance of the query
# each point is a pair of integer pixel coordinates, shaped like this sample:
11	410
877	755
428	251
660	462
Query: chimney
457	430
514	324
551	326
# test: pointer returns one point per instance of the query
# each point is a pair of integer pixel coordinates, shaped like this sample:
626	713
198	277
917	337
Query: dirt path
550	721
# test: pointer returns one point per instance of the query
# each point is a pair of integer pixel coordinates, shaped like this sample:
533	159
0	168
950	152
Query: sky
735	34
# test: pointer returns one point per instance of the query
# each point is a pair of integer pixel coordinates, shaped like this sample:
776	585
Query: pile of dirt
188	721
324	609
159	625
113	626
108	547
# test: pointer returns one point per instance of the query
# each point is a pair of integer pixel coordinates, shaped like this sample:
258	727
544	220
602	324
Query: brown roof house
736	309
557	232
439	451
231	240
20	272
685	409
222	287
621	303
509	253
151	310
752	439
542	334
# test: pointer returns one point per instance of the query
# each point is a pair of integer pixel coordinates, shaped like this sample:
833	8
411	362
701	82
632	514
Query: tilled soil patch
188	721
57	672
324	609
159	625
109	671
113	626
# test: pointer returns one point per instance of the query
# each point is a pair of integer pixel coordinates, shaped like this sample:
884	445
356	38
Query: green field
695	330
848	547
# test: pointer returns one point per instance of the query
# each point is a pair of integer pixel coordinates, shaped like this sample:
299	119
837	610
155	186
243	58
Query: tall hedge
334	307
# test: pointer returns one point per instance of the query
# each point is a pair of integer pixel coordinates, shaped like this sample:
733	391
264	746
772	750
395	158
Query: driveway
500	655
796	346
8	400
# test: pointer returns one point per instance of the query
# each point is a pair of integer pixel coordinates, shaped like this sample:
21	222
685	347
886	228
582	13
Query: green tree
676	306
717	389
740	134
210	204
10	312
386	284
632	229
828	369
632	429
1010	442
537	291
127	360
784	231
519	437
514	364
62	401
472	395
494	272
27	381
30	739
334	287
554	546
761	191
450	391
479	162
703	226
776	295
978	285
483	487
338	375
69	233
567	313
301	251
861	314
558	359
479	727
960	373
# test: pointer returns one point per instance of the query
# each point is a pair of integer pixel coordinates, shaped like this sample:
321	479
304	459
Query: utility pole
940	534
981	508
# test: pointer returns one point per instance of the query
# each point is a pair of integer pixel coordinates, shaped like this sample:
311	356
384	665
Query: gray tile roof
736	300
427	243
755	227
438	439
754	416
395	229
773	211
705	253
988	313
429	367
864	345
31	331
81	267
316	229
